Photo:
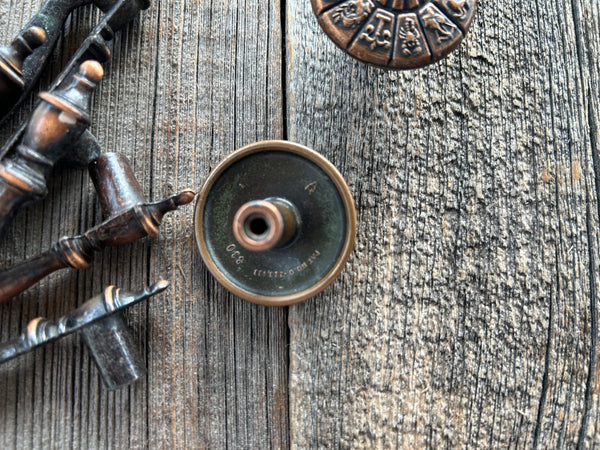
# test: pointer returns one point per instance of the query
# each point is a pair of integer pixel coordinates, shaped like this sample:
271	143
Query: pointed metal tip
185	197
124	299
159	286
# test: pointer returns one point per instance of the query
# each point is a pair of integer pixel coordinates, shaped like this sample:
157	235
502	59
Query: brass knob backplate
396	34
275	223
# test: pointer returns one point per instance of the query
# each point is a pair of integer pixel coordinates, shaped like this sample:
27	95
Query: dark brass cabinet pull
38	38
275	223
58	122
130	217
58	130
103	331
31	164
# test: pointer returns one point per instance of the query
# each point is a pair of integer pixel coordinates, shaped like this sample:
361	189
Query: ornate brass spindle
110	355
55	125
130	217
42	32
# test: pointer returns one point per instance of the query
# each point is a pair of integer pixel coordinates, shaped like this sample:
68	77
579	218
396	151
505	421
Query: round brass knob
396	34
275	223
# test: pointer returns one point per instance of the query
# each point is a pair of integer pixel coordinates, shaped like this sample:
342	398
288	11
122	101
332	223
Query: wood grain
468	314
187	84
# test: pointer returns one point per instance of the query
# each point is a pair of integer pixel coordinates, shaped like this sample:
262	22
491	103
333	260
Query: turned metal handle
130	218
56	123
40	36
103	330
77	252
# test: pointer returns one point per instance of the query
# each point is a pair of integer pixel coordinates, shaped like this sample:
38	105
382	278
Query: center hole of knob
262	225
257	226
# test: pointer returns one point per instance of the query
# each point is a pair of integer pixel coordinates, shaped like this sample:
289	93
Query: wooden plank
468	314
217	366
220	378
587	23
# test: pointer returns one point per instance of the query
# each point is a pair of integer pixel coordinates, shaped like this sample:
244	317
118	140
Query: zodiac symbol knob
396	34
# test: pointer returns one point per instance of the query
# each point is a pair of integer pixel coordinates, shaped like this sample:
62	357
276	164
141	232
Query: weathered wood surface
468	316
468	313
188	83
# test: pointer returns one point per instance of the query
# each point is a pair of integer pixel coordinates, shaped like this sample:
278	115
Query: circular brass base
275	223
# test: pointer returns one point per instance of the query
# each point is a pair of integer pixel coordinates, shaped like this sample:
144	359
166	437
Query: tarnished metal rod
132	224
129	217
41	331
48	22
55	125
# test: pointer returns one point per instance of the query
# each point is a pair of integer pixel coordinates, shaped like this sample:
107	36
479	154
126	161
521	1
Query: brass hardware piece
12	83
77	146
57	131
111	356
396	34
130	217
56	124
275	223
28	54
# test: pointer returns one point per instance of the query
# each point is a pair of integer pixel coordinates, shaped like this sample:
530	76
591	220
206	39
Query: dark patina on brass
30	160
22	62
115	366
130	217
56	124
396	34
275	223
12	83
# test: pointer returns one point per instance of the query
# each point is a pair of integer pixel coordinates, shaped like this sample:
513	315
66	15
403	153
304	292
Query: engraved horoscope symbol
380	35
440	24
460	7
411	37
353	12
